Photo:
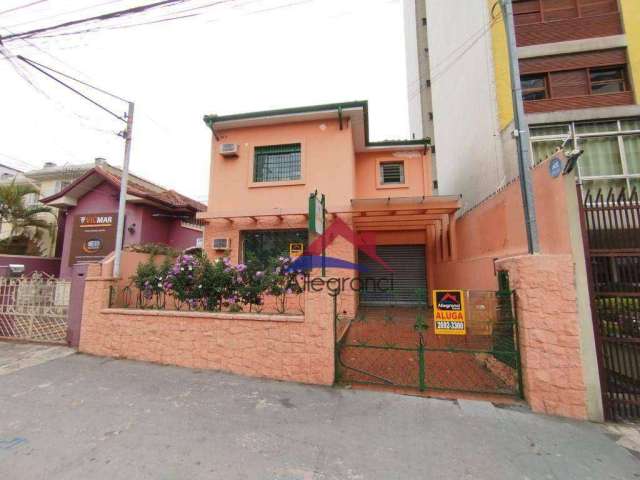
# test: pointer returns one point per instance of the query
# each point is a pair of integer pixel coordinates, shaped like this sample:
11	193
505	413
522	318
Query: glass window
541	150
391	172
601	156
277	163
633	124
607	80
265	245
634	184
597	127
632	153
549	130
534	87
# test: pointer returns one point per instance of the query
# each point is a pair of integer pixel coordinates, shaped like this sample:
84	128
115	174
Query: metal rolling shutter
409	275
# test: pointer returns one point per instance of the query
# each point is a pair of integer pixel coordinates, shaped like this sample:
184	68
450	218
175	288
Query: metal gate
34	308
611	232
397	347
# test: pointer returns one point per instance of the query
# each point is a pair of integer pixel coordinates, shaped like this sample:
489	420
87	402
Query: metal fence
34	308
611	228
398	347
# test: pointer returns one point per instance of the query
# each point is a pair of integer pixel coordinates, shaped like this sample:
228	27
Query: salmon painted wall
417	173
495	229
327	165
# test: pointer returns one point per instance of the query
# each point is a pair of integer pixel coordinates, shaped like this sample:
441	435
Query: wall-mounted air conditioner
229	149
221	243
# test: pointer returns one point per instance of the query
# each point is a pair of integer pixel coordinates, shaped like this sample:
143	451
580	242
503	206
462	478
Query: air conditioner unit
221	243
229	149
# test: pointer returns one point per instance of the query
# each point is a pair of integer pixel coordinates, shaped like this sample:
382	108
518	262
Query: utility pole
123	191
521	132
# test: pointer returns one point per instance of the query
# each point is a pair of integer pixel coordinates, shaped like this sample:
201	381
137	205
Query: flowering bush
282	281
149	279
197	282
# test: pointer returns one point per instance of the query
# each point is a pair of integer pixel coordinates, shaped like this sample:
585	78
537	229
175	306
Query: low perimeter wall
549	336
296	348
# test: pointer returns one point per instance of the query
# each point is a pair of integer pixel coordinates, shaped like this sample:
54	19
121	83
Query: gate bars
397	347
611	234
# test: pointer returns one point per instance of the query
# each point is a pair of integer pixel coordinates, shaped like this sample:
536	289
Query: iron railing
611	228
34	308
397	347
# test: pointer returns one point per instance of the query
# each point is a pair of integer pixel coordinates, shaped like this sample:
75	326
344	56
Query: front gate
396	346
34	308
611	232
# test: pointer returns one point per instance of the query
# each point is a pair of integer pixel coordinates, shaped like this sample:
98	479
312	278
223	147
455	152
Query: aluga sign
448	312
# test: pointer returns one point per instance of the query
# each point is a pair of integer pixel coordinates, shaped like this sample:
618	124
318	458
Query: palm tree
27	226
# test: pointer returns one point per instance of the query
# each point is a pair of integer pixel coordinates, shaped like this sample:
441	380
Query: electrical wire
102	17
22	6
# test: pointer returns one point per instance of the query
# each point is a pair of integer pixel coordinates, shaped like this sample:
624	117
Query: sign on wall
448	312
93	237
316	214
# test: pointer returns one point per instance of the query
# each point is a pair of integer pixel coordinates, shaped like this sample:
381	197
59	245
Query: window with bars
277	163
392	173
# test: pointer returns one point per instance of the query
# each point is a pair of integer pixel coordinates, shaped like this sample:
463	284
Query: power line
22	6
74	79
102	17
20	57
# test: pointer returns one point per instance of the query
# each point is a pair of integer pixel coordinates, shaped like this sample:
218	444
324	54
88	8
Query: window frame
620	133
252	183
546	89
380	177
623	79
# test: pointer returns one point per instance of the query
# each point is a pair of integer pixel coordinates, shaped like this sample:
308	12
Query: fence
397	346
611	226
34	308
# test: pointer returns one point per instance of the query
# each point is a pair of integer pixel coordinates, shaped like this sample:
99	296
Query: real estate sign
449	313
93	237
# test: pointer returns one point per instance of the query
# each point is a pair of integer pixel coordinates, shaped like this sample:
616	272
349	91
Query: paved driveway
82	417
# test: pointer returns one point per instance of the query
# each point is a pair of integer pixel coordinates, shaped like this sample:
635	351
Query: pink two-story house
264	166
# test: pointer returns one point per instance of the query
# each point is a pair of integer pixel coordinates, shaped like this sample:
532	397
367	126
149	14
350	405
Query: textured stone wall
286	347
549	333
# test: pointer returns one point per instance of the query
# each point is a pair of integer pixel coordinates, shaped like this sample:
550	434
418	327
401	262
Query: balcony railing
582	101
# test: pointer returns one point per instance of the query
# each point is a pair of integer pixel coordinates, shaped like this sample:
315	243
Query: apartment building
580	68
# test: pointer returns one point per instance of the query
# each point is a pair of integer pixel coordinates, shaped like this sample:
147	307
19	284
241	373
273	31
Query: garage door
409	275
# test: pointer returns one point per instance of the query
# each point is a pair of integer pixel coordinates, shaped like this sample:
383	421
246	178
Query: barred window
391	172
277	163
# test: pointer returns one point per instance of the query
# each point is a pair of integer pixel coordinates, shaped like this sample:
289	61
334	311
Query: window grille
277	163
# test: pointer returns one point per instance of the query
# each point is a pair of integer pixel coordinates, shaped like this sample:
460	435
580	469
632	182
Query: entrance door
408	276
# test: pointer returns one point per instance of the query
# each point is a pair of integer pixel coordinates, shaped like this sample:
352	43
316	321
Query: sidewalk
94	418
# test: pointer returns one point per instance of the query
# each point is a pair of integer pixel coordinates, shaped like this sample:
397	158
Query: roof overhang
357	112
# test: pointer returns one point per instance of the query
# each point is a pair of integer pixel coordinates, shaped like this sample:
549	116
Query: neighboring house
8	172
580	67
89	207
48	180
259	195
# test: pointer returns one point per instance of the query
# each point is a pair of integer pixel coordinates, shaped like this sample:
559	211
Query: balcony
578	28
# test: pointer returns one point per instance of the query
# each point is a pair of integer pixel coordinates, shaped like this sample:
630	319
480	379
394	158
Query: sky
237	56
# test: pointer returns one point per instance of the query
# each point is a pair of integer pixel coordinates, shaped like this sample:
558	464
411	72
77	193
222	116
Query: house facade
88	210
381	191
48	180
580	67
